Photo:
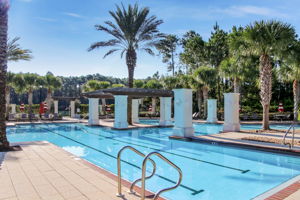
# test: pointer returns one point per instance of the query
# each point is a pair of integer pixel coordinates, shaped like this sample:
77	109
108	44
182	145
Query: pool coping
281	191
238	144
108	174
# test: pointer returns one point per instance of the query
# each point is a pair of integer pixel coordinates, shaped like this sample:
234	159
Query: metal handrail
292	126
119	194
144	175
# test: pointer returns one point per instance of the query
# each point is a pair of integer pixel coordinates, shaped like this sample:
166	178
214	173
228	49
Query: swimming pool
206	129
209	171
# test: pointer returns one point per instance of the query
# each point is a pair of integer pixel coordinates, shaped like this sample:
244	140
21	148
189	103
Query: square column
183	113
165	111
135	110
121	111
212	111
231	112
93	111
13	108
55	106
72	109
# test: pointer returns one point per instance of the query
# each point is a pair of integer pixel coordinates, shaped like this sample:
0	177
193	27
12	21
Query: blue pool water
206	129
209	171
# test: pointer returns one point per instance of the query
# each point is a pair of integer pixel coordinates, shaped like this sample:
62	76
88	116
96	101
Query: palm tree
206	76
16	53
133	29
52	83
26	83
93	85
290	72
9	85
153	84
197	86
267	39
4	6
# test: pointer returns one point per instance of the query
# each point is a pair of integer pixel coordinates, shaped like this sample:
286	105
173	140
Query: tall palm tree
52	83
16	53
268	39
133	29
206	76
290	72
9	85
4	6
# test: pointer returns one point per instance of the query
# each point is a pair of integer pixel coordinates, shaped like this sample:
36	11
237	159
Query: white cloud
71	14
239	11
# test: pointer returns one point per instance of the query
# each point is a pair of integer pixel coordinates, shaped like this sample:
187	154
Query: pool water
206	129
209	171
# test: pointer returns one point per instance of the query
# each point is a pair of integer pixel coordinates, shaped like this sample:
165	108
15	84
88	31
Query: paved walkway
44	171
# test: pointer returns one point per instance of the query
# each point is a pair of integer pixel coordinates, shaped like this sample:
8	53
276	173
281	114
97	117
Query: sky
59	32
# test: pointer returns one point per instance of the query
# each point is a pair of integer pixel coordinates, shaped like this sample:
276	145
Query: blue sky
60	31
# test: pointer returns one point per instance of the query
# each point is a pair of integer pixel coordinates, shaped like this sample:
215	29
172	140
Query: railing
119	194
292	126
144	175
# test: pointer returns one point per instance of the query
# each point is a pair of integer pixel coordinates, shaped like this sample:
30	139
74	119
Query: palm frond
110	52
108	43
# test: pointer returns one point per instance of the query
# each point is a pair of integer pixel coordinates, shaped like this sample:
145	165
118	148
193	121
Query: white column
231	112
135	110
55	106
183	113
72	109
121	111
212	111
93	111
165	111
13	108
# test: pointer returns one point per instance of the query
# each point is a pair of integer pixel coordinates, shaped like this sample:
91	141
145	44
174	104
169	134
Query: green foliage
16	53
167	48
138	83
153	84
207	76
93	85
117	85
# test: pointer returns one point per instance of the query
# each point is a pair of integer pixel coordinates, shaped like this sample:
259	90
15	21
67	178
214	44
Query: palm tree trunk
205	97
199	101
48	100
296	98
30	95
3	69
265	78
236	85
131	63
7	97
153	106
103	102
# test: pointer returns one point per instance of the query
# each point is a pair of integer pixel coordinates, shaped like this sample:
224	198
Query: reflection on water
78	151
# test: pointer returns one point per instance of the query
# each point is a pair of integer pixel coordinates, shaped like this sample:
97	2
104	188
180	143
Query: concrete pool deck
41	170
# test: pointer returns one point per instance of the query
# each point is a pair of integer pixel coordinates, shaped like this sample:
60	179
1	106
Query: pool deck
41	170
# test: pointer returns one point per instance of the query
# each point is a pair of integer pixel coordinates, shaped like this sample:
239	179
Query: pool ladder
144	177
292	127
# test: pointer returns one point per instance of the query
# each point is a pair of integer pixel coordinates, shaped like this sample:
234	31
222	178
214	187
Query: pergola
121	95
72	104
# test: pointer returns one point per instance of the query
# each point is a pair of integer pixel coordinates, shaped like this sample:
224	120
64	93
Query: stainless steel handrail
144	175
119	194
292	126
